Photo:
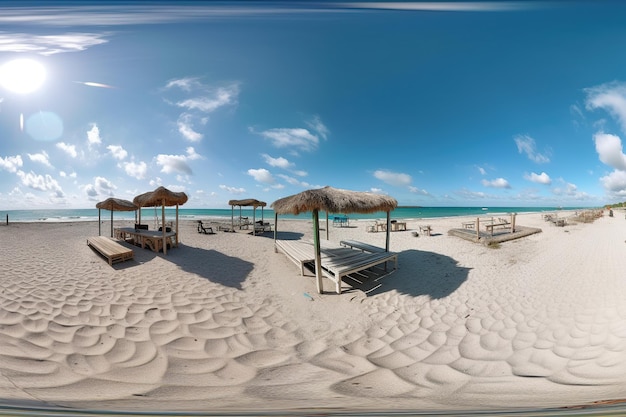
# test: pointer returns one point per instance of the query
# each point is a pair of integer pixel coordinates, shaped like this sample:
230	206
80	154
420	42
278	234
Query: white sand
224	322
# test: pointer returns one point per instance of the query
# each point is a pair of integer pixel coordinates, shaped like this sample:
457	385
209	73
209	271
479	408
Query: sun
22	76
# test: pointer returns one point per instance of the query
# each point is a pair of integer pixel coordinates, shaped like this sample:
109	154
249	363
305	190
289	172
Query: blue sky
433	103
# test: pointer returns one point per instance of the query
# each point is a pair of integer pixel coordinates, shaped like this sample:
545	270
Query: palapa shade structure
332	200
161	197
114	204
248	202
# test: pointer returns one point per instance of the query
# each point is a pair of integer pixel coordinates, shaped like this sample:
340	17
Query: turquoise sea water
72	215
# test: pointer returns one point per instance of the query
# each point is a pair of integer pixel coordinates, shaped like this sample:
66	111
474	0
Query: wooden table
150	238
396	226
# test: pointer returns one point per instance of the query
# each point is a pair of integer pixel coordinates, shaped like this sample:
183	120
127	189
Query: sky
510	104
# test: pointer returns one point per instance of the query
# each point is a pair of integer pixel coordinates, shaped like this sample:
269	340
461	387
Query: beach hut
249	202
332	200
114	204
162	197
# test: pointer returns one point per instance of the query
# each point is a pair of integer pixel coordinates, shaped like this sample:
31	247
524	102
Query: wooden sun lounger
110	249
335	268
337	262
365	247
297	251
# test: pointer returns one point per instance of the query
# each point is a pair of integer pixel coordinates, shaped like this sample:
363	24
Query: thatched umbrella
249	202
114	204
332	200
161	197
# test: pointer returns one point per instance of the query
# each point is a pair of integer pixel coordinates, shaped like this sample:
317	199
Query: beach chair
207	230
261	227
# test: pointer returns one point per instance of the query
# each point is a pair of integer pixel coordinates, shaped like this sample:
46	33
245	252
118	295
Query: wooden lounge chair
261	227
336	262
110	249
207	230
365	247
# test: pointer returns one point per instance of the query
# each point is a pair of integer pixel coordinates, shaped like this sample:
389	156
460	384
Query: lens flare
22	76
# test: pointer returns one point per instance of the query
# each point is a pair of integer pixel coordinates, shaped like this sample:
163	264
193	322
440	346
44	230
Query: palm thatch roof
116	204
247	202
160	197
334	200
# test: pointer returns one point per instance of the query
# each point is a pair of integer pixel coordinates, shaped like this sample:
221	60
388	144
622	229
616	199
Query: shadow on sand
206	263
418	273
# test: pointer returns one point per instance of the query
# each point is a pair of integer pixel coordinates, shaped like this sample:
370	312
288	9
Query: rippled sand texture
224	322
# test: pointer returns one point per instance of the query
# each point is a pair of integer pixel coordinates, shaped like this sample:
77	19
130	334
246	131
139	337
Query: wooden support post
177	225
513	222
477	228
318	257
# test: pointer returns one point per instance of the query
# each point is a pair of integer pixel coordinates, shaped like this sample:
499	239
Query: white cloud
298	138
416	190
177	163
233	190
206	99
68	149
615	183
174	164
93	136
48	44
104	186
444	6
295	181
11	163
526	144
542	178
65	174
217	98
136	170
191	153
40	182
185	84
90	190
317	125
279	162
262	175
393	178
185	128
496	183
610	97
117	151
609	148
41	158
482	171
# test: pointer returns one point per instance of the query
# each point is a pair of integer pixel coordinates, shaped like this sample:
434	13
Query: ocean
405	213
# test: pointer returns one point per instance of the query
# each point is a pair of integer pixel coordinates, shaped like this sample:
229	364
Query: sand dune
225	322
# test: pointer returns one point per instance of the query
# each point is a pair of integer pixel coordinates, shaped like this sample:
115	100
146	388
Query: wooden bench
365	247
110	249
492	226
335	268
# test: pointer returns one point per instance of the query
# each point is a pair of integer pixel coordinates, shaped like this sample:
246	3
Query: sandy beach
225	322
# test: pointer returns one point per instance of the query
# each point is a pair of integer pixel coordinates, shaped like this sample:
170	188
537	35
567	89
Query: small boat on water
485	208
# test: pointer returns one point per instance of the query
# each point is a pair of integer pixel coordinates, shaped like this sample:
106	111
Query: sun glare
22	76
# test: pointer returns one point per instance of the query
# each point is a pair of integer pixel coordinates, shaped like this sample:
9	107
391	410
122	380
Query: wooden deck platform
498	236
